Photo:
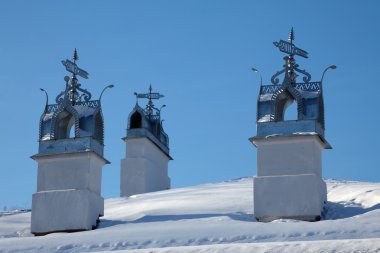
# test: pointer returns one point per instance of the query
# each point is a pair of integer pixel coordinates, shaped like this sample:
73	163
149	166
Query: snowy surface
212	218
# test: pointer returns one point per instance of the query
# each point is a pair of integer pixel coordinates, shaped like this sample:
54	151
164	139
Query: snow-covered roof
215	217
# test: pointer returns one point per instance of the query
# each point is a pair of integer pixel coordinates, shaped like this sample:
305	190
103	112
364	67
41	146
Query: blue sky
198	54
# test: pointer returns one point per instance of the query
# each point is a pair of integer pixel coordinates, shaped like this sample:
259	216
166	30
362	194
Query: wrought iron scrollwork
73	95
290	67
275	79
150	110
59	97
73	92
86	95
307	76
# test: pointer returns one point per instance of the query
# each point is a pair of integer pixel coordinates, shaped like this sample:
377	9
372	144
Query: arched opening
291	111
65	126
283	101
72	131
136	120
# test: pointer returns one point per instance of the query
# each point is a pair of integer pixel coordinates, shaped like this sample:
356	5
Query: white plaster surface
65	210
145	168
289	178
68	192
289	156
295	196
70	171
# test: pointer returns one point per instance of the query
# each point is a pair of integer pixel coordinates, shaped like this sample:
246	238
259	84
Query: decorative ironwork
52	108
274	99
150	110
289	48
73	108
73	68
310	86
90	104
104	89
274	78
147	121
290	66
73	92
46	98
269	89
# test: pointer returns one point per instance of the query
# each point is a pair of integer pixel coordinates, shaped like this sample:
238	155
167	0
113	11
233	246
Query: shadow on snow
334	211
160	218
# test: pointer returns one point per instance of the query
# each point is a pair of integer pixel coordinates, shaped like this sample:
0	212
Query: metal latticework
274	99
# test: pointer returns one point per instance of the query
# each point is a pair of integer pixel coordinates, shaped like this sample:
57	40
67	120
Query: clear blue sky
199	54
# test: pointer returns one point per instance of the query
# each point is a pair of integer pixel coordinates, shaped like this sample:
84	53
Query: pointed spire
150	105
291	36
75	56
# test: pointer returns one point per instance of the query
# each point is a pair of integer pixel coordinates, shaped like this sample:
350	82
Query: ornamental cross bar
150	109
153	95
150	95
73	68
289	48
290	66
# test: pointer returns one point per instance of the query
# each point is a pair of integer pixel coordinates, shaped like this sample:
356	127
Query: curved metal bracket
86	95
290	64
307	76
107	87
73	94
47	99
274	78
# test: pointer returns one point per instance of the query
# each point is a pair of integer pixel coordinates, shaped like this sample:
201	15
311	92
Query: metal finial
261	78
46	98
107	87
75	56
73	68
291	36
290	66
159	111
324	72
290	48
150	108
150	105
73	91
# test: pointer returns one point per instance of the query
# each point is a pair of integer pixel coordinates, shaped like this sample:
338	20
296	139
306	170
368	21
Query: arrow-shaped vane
73	68
149	95
289	48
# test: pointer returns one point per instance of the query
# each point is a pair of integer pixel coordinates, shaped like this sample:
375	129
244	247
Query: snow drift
212	218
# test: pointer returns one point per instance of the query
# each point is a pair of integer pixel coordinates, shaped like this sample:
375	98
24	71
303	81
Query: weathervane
290	66
276	97
290	48
73	68
72	86
150	106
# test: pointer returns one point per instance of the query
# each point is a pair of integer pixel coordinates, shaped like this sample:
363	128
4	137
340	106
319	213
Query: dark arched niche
136	120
